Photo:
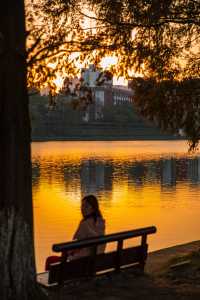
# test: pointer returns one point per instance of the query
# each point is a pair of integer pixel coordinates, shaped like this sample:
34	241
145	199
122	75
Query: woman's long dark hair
92	200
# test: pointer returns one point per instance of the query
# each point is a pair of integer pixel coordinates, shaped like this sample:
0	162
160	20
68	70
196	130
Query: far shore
107	138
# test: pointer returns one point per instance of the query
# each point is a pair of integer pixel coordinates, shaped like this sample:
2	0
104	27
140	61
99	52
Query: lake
138	183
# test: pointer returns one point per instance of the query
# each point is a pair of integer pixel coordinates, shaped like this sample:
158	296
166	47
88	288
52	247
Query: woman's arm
80	232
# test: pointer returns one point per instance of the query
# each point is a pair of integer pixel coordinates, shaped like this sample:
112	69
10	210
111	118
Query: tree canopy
159	39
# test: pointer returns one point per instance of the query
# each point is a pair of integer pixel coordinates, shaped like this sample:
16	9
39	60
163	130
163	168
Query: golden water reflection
138	184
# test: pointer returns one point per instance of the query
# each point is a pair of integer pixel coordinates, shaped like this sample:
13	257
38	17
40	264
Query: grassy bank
120	122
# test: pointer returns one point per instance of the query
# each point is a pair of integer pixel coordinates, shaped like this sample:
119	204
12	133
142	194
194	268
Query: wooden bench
98	263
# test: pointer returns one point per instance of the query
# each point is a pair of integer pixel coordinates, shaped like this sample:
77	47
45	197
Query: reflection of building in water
71	177
35	175
95	176
137	173
53	172
181	169
152	171
198	158
194	170
168	172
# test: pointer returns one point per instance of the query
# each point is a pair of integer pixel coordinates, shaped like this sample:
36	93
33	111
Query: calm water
138	184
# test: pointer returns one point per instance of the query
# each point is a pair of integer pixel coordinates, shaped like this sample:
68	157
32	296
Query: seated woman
91	225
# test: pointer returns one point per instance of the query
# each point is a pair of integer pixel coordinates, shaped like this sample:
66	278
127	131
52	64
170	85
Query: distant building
104	93
122	94
92	76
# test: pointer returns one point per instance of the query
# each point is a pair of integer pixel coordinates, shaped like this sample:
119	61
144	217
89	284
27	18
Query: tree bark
17	263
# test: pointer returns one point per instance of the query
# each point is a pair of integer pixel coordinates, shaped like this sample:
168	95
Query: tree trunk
17	264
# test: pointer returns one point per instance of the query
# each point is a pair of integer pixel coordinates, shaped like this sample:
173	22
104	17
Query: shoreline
99	138
158	259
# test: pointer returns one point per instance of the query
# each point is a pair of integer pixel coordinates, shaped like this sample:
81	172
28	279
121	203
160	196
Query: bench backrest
91	265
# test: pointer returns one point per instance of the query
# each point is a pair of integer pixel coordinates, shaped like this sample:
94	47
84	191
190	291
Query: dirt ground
170	274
